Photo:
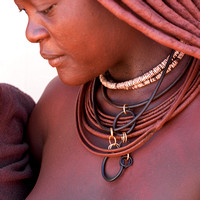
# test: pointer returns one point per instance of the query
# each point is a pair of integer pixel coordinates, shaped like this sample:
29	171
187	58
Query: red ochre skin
165	168
82	39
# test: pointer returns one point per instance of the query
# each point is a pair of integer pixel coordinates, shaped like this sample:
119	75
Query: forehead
20	2
32	2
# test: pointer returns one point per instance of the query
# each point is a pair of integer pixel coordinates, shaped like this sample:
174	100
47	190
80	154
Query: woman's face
78	37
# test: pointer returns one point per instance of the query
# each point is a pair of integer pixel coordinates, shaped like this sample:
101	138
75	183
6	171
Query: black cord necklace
145	101
126	160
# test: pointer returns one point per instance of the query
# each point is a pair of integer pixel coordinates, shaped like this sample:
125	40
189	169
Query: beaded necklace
146	79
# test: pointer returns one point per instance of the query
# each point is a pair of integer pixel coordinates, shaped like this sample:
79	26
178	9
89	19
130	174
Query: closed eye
48	10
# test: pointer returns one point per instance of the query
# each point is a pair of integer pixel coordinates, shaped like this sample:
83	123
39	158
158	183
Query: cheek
74	73
85	46
89	43
88	56
80	35
70	38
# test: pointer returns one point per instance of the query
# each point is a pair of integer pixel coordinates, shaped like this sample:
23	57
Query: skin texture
166	168
89	40
88	36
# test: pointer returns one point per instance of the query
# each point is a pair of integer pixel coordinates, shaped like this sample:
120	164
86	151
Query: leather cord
147	124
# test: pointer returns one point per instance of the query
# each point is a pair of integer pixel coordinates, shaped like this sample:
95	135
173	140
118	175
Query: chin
73	81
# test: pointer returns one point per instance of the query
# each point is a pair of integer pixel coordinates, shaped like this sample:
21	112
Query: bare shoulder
56	98
192	111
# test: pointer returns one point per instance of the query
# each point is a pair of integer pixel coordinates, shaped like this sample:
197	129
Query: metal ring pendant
132	123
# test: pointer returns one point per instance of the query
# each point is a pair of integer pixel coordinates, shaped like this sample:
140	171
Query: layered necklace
119	136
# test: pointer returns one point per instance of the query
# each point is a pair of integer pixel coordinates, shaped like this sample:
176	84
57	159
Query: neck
140	57
139	60
134	96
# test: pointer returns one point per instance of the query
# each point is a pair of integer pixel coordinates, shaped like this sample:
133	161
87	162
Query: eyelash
48	10
20	10
44	12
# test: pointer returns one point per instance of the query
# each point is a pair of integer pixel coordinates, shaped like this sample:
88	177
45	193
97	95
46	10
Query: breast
165	168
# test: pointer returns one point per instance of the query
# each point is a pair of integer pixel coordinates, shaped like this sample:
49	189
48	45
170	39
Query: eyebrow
18	1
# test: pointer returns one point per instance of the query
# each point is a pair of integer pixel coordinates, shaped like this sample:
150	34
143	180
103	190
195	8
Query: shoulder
56	100
57	90
55	97
187	122
191	112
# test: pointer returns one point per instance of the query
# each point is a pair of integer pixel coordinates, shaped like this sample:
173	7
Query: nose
35	32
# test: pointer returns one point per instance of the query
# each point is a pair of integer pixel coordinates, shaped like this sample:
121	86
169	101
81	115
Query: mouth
54	60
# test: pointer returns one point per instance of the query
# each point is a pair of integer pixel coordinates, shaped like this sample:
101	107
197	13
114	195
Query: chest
167	167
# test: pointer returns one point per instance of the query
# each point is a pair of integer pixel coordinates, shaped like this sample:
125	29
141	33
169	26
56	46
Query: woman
15	170
134	134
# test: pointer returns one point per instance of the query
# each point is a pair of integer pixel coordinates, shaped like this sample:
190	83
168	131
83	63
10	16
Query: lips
54	60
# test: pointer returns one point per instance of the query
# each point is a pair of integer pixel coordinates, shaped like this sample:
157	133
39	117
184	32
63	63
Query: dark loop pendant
124	163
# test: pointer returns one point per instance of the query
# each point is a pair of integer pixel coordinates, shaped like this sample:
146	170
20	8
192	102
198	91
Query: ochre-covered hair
172	23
